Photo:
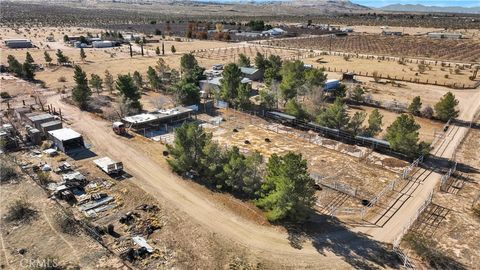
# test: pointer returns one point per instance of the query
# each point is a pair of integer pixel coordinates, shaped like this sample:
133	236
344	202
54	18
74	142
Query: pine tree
28	71
153	79
173	49
47	57
445	108
108	80
29	58
416	105
14	66
335	116
61	58
288	190
402	135
83	56
374	123
157	51
81	92
229	84
129	91
96	82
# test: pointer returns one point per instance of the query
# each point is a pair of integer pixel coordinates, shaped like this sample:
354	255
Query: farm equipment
119	128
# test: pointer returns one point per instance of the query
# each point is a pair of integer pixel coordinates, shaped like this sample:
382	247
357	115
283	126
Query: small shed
67	139
49	126
21	112
39	119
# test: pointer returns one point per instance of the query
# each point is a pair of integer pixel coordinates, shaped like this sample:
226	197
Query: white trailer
108	165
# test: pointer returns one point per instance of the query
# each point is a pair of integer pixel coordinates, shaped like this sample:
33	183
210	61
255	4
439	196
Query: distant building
103	44
392	33
274	32
213	85
157	118
18	43
440	35
37	119
49	126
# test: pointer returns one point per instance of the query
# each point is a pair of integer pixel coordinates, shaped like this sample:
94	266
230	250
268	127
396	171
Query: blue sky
443	3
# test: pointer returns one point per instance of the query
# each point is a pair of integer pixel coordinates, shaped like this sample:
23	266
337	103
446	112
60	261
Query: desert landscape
155	135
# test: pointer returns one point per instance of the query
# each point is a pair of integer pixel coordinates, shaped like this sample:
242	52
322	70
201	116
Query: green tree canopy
81	92
108	80
28	71
14	66
260	61
357	94
335	116
229	84
96	82
374	123
315	77
446	107
187	93
402	135
61	58
243	60
129	91
355	125
187	150
293	77
295	108
47	57
416	105
288	190
153	79
137	79
29	58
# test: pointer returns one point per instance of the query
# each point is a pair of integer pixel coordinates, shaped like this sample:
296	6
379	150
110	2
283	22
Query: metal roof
157	115
284	115
51	123
248	70
40	117
65	134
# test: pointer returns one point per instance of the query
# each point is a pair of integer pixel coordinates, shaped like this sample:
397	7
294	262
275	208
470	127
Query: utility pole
131	52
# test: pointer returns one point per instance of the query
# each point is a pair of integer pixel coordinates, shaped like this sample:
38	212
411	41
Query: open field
433	74
405	46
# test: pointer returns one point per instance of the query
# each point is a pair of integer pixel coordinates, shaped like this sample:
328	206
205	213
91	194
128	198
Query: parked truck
108	165
119	128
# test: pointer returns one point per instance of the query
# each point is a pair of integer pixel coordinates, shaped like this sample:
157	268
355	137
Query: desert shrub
62	79
44	178
67	224
21	211
427	112
4	95
446	76
7	172
46	145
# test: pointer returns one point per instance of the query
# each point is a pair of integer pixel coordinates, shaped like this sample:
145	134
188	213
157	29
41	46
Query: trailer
119	128
109	166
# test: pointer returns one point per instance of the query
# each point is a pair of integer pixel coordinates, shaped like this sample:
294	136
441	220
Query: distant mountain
428	9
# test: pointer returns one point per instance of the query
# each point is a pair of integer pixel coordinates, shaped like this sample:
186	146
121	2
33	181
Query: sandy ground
385	68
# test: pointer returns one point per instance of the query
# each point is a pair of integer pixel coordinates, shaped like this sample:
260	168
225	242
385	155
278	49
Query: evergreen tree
47	57
374	123
243	60
288	190
129	91
61	58
14	66
153	79
234	169
294	108
138	80
81	92
445	108
29	58
173	49
315	77
229	84
187	94
260	61
402	135
187	150
335	116
83	56
108	80
157	51
96	83
415	107
28	71
355	125
293	76
357	94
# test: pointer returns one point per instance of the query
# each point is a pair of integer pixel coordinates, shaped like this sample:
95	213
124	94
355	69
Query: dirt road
408	204
158	181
